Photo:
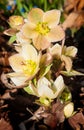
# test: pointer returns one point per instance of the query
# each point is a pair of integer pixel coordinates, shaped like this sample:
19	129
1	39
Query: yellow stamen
29	67
42	28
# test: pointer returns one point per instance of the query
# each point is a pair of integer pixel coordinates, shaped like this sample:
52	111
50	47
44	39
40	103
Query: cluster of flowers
41	59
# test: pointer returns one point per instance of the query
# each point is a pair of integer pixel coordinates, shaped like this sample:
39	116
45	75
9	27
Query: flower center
42	28
29	67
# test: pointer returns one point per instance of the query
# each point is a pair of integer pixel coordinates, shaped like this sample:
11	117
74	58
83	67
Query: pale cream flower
25	64
42	28
48	90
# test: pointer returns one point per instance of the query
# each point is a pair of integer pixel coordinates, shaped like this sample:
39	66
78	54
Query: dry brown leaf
10	32
4	125
74	20
69	22
77	121
71	5
56	115
73	13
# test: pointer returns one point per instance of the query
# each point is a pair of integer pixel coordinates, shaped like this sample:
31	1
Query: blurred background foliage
71	10
21	6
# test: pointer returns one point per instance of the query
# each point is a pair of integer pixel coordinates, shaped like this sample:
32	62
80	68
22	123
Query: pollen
29	67
42	28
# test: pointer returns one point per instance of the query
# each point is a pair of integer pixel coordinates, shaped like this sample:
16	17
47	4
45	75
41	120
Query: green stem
45	5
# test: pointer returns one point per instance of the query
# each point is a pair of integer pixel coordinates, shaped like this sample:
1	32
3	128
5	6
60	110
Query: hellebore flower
65	54
42	28
16	21
46	90
49	90
25	64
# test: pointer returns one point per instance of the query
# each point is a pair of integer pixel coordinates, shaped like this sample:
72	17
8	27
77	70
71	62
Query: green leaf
66	95
29	90
12	39
43	101
44	70
72	73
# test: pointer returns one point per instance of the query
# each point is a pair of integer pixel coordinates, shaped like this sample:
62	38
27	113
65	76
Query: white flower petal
56	34
19	80
52	17
56	50
16	62
29	52
29	30
43	88
22	39
59	85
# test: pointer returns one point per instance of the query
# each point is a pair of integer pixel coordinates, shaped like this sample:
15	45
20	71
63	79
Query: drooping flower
25	64
42	28
65	54
16	21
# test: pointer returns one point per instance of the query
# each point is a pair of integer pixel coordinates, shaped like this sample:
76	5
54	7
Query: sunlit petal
16	62
43	88
56	50
29	52
56	34
71	51
19	80
16	21
29	31
52	17
35	15
22	39
59	85
59	82
41	42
